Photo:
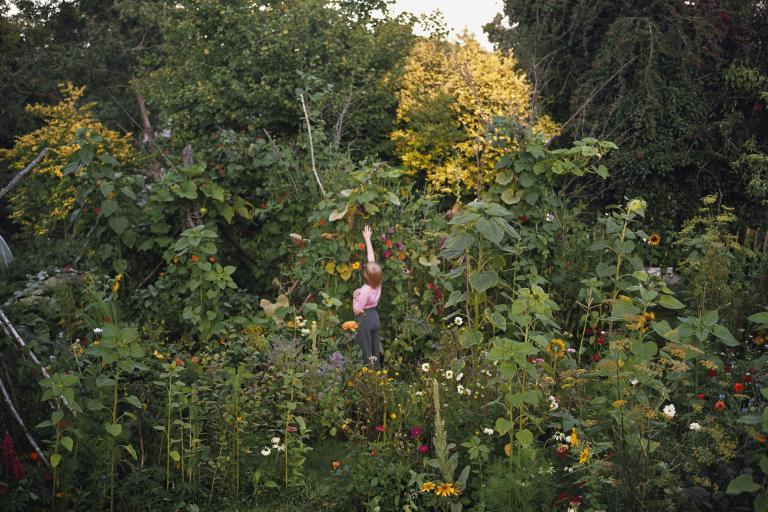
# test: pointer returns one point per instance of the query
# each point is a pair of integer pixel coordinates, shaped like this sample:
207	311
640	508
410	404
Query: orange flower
179	362
428	487
221	341
336	464
761	438
402	256
349	325
212	259
360	246
321	222
719	405
738	387
373	453
356	265
388	243
194	258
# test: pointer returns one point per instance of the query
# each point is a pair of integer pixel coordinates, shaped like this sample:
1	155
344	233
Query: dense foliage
177	326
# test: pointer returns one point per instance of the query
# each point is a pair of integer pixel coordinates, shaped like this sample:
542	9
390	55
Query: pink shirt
366	298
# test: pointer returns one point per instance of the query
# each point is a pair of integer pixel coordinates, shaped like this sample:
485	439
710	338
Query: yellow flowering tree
47	196
450	94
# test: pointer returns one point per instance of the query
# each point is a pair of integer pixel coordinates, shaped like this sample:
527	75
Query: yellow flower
116	286
427	487
619	403
654	240
556	348
356	265
158	355
393	416
447	489
574	437
584	455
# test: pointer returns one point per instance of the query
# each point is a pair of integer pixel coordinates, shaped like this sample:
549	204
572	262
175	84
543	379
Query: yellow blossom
447	489
428	487
584	455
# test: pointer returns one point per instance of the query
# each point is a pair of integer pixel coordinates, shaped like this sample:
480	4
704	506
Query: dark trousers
368	336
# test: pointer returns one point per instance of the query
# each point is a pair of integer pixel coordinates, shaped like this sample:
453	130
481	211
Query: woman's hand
367	232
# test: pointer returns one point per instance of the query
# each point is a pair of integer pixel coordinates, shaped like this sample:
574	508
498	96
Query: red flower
373	452
738	387
700	396
596	357
292	429
416	432
179	362
387	253
380	428
761	438
719	405
748	378
523	219
423	449
588	332
600	341
711	372
33	456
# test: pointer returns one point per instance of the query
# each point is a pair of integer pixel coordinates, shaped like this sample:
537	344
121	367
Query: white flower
266	451
98	330
568	439
300	321
553	405
459	377
669	411
634	382
280	447
458	320
488	431
275	441
306	332
550	217
460	389
694	426
448	374
425	367
467	391
419	393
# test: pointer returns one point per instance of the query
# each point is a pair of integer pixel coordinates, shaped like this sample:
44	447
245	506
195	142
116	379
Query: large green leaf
482	281
725	335
491	231
742	483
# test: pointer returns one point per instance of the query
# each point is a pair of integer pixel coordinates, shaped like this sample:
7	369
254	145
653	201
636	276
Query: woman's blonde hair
373	275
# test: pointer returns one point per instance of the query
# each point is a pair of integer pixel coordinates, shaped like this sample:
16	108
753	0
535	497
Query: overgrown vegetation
174	321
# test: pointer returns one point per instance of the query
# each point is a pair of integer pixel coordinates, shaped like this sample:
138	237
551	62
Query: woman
364	302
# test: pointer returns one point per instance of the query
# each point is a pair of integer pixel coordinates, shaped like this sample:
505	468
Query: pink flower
416	432
423	449
387	253
380	428
291	428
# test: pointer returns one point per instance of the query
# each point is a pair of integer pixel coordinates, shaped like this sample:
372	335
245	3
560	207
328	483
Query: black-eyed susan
428	487
556	348
584	455
447	489
654	240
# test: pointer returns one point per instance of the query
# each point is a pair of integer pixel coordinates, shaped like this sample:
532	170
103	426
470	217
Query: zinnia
416	432
738	387
719	405
349	325
423	449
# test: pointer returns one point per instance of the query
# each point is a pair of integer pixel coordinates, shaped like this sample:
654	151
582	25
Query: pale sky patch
458	14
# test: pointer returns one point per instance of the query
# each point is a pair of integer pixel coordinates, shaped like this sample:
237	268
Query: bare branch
16	179
311	145
17	417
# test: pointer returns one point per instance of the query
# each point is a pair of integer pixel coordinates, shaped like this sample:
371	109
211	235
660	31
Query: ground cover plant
177	330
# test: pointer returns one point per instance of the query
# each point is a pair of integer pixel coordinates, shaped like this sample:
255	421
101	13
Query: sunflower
654	240
584	455
447	489
428	487
556	348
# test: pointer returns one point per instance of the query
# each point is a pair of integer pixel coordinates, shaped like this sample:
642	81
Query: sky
458	14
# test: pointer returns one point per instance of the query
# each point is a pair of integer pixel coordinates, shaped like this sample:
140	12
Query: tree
651	77
47	197
449	97
241	64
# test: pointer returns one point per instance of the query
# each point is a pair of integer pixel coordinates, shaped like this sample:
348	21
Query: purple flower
336	361
391	230
416	432
400	246
423	449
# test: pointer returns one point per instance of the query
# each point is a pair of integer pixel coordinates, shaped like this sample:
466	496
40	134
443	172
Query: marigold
349	325
194	258
447	489
428	487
